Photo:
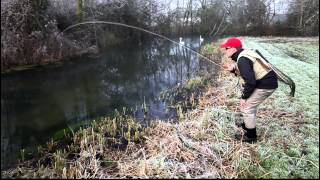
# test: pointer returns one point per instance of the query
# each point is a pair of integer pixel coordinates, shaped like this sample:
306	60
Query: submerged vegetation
201	144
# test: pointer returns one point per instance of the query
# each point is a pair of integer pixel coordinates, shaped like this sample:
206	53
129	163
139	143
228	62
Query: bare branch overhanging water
141	29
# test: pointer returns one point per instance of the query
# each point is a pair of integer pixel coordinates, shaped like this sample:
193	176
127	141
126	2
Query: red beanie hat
231	42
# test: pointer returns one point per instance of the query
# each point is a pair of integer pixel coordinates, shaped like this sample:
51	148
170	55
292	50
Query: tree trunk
79	10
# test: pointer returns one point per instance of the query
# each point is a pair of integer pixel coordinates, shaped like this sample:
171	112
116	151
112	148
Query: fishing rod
141	29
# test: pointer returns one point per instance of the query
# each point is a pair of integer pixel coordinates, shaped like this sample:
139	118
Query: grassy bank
202	144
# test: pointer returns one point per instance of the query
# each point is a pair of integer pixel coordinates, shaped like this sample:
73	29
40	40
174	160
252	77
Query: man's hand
228	67
243	103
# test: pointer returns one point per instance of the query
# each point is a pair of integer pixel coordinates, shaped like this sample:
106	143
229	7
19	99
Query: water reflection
36	103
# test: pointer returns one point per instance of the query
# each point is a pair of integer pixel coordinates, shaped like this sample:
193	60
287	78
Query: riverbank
202	144
51	60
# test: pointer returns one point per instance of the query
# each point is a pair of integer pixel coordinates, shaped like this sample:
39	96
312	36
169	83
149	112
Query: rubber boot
250	136
242	125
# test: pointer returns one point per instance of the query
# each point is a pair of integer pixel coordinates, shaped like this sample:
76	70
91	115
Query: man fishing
259	82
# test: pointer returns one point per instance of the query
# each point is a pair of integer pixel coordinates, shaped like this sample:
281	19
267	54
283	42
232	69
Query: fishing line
141	29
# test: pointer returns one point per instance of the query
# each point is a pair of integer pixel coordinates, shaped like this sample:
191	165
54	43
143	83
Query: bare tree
303	16
270	12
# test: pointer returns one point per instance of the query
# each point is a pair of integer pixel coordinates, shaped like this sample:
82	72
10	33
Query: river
38	102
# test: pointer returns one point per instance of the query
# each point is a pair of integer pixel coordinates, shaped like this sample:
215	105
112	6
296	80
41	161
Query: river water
38	102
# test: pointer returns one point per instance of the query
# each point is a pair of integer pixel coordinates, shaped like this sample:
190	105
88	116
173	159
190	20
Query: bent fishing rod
141	29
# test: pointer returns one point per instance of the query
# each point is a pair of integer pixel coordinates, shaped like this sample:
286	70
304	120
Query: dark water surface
37	103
